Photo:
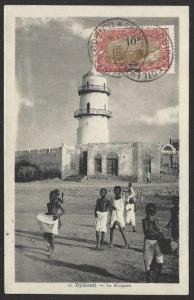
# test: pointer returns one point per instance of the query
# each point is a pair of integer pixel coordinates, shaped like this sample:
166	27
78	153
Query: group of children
121	209
122	212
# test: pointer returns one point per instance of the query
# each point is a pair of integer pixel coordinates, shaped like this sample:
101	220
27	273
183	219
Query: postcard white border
11	12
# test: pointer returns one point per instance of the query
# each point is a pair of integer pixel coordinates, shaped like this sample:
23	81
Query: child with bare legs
102	208
117	216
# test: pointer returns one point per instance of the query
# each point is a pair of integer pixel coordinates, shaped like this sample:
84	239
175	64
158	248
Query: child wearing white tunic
117	216
129	192
103	205
130	213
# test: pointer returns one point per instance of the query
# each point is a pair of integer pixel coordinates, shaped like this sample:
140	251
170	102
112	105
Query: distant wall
48	161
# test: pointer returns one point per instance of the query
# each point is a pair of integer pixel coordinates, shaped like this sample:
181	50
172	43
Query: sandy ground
75	257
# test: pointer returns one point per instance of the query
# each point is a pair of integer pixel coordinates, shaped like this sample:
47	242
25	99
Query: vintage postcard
96	150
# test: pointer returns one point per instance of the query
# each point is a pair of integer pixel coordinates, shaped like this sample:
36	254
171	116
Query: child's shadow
30	248
77	239
81	267
28	233
130	248
83	225
37	236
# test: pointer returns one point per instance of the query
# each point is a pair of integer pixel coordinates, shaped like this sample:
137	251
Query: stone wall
51	162
48	161
64	161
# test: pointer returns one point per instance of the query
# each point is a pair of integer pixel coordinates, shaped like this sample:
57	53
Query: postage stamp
141	54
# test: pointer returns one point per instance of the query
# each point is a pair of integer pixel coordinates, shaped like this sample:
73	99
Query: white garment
101	221
130	214
151	248
118	214
47	224
131	194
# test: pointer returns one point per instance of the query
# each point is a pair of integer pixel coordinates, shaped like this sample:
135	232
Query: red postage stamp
126	49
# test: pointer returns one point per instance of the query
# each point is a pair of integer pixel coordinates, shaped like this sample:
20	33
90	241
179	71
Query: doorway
147	163
112	164
83	161
98	163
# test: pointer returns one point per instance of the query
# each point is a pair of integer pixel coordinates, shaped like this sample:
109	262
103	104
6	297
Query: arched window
88	107
112	164
98	163
168	149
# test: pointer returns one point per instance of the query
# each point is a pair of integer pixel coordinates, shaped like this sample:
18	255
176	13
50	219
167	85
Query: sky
51	58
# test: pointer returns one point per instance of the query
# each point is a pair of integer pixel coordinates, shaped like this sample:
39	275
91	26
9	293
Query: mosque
94	156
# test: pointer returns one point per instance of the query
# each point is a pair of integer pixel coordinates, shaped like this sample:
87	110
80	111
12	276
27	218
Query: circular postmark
159	56
117	46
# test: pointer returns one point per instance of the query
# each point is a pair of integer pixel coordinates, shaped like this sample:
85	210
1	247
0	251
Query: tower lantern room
93	113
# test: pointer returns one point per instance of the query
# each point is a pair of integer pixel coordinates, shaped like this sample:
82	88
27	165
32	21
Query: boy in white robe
129	192
103	205
117	216
130	213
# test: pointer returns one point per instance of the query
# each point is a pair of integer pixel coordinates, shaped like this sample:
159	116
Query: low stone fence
157	190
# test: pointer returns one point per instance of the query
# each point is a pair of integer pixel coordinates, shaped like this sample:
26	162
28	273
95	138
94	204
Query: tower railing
92	111
93	88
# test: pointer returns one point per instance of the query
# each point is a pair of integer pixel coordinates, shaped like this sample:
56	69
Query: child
129	192
103	205
49	222
151	248
173	224
117	216
56	193
130	213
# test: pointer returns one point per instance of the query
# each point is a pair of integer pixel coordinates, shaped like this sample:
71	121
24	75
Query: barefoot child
117	216
49	222
102	208
130	213
151	248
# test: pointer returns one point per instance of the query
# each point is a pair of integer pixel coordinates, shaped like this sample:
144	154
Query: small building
126	160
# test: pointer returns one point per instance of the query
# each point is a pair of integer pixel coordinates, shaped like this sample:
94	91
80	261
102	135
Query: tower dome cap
93	72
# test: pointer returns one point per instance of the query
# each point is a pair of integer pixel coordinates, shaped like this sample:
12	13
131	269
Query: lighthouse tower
93	113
